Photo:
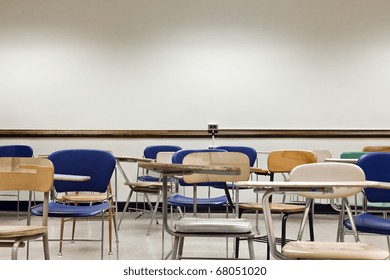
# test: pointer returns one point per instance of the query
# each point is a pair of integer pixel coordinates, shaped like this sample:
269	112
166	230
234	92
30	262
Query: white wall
173	64
98	64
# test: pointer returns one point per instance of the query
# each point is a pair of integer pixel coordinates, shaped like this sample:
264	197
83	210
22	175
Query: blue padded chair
150	184
99	166
252	155
181	201
353	156
150	152
16	151
249	151
376	166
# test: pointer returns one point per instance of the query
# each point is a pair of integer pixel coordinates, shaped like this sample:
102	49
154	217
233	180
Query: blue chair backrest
178	159
97	164
376	167
249	151
152	151
16	151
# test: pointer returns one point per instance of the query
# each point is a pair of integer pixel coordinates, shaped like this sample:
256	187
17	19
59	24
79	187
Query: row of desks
168	170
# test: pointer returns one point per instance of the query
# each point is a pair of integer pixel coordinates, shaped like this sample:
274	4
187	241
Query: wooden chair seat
275	207
333	250
145	186
84	198
12	232
259	171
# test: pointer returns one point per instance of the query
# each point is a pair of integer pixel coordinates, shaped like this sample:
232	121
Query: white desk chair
330	172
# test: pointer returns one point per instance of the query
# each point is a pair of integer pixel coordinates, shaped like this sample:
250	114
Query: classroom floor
134	244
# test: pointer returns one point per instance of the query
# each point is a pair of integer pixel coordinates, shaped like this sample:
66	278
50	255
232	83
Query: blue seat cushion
184	201
149	178
370	224
71	211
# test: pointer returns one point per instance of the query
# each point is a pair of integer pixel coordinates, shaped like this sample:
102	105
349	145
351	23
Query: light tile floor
134	244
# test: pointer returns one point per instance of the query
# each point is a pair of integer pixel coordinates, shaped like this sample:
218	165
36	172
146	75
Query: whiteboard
172	64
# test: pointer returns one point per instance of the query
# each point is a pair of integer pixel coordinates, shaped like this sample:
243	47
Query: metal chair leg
175	248
251	248
154	213
125	208
46	252
180	249
61	236
15	247
102	236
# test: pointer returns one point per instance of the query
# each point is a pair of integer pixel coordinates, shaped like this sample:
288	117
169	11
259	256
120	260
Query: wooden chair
376	149
26	174
281	162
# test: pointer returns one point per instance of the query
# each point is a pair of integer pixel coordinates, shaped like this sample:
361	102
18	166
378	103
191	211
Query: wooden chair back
283	161
376	149
26	174
164	157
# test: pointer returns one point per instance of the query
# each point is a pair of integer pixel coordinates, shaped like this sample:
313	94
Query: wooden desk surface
344	160
133	159
310	185
182	169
